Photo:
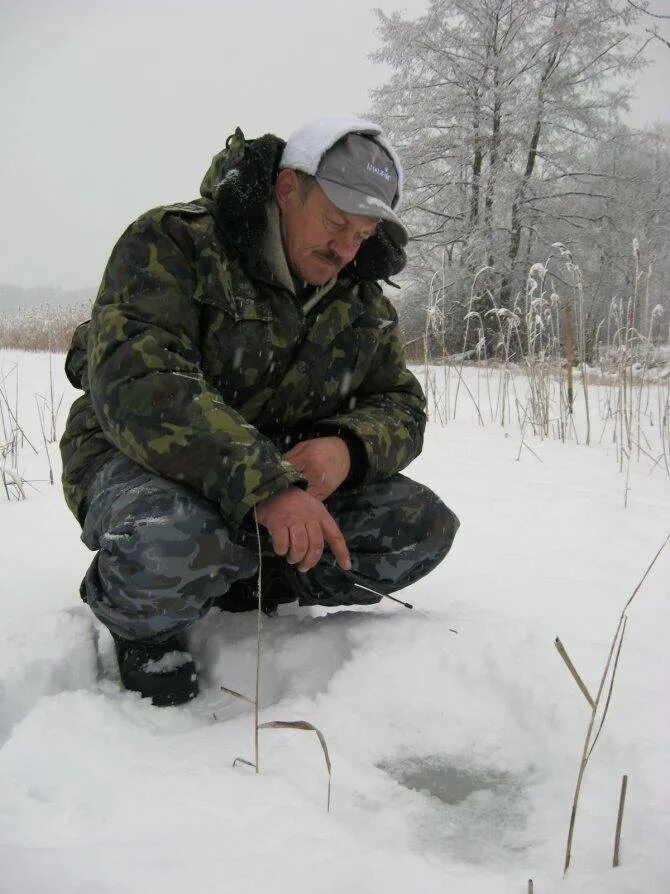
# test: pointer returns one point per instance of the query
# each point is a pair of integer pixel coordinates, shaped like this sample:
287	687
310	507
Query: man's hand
324	462
300	525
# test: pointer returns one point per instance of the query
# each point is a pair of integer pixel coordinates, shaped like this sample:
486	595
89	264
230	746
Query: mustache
331	256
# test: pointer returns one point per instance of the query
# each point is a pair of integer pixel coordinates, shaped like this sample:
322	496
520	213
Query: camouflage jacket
200	366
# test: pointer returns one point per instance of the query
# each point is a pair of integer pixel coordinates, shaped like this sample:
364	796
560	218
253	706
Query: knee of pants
424	519
444	524
166	544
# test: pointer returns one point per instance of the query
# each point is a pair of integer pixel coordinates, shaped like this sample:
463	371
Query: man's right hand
300	526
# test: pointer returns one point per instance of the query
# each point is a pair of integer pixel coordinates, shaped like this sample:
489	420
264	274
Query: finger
336	541
294	452
299	544
315	550
295	461
280	540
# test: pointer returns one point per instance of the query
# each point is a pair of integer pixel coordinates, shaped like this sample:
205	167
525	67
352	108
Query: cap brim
352	201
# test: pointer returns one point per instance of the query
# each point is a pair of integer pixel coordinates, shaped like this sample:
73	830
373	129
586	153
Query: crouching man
242	366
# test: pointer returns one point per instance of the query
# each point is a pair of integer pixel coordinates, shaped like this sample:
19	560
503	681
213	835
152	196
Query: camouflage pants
164	553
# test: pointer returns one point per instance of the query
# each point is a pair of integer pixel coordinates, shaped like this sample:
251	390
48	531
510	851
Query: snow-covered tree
495	105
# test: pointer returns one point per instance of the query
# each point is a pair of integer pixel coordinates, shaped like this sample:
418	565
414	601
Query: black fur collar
239	183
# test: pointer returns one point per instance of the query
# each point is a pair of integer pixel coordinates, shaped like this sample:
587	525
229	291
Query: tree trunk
516	222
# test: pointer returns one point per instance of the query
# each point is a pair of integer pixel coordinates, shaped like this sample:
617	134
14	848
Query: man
242	368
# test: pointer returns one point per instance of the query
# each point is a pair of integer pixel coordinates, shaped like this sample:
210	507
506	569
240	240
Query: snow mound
57	652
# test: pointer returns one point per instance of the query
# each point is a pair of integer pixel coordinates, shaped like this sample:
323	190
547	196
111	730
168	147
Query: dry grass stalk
13	432
569	354
564	655
472	314
237	695
13	485
611	687
271	724
581	337
13	439
619	820
302	724
589	743
41	411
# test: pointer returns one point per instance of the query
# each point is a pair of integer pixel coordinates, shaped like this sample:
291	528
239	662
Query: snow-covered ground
454	730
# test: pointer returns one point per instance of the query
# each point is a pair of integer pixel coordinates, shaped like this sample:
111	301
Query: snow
454	754
169	662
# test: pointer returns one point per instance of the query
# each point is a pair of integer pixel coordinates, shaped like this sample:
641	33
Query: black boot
275	589
164	672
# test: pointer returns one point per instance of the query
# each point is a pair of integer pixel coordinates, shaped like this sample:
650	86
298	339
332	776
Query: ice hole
447	781
474	813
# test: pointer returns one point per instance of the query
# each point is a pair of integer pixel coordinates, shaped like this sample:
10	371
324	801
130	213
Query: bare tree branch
654	33
642	9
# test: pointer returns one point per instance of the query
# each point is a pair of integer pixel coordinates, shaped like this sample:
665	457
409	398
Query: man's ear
286	187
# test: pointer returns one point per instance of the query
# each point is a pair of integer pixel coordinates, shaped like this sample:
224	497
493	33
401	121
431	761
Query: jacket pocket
235	335
221	284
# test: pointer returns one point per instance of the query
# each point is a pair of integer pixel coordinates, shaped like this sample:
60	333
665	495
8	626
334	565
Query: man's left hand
324	462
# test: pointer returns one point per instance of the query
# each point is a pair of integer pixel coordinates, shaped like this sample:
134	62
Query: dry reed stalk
435	325
619	820
14	437
611	686
582	349
664	422
40	415
15	481
271	724
237	695
14	421
573	670
302	724
569	354
588	743
459	373
468	317
626	489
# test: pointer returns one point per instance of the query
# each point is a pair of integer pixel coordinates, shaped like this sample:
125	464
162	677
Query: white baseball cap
354	165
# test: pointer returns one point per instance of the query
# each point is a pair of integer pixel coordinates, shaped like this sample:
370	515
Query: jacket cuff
357	455
288	477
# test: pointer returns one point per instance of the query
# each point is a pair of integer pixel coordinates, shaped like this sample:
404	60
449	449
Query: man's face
319	239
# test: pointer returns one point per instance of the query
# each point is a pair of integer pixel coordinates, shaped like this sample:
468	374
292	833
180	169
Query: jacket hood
240	185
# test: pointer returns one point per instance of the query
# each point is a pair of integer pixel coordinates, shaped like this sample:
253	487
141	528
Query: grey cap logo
385	173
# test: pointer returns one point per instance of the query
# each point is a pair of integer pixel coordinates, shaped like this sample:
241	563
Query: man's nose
346	245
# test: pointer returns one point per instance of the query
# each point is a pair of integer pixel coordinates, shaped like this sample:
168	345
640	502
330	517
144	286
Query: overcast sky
110	107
